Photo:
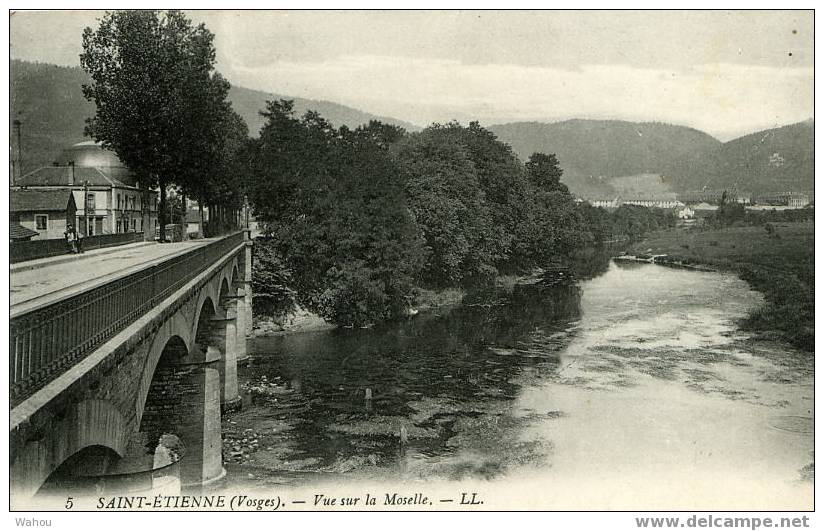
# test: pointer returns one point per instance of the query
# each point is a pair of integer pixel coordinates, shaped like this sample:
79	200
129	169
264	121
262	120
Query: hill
594	152
49	102
603	157
47	99
248	103
780	159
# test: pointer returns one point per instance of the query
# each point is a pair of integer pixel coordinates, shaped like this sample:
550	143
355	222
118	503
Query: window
90	201
134	225
41	221
118	201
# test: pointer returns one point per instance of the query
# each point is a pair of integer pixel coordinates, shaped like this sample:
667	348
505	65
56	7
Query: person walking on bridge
71	238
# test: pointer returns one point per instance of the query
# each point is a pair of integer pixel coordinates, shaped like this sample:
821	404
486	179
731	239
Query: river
630	390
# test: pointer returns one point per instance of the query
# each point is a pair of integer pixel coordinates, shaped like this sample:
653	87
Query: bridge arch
235	277
225	291
86	424
175	327
207	299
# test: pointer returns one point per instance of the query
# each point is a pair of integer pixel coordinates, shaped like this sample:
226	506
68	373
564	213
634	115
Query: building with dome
107	196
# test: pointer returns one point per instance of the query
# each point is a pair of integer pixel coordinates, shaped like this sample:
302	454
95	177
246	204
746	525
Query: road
40	285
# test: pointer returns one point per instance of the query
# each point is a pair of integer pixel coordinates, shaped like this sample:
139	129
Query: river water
633	389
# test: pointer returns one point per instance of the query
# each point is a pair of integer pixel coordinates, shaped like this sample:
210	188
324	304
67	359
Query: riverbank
778	261
301	320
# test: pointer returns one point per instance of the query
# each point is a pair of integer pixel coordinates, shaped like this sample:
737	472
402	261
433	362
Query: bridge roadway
37	284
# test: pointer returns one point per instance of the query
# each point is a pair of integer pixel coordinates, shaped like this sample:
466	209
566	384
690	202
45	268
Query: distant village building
798	201
713	197
703	207
784	199
685	213
605	203
107	195
45	212
653	202
649	201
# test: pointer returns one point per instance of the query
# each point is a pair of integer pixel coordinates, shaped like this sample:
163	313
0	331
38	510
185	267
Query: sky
727	73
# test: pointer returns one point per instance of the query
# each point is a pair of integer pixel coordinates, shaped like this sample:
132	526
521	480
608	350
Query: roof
652	196
19	232
61	176
40	200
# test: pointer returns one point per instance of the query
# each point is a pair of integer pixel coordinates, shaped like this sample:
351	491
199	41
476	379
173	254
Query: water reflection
439	385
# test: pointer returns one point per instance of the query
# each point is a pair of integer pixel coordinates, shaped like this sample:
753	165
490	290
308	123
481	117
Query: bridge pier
247	282
243	317
185	400
225	335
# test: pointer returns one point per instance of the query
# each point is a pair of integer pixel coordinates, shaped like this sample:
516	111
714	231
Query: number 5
69	503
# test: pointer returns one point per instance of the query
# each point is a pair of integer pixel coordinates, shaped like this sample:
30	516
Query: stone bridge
117	384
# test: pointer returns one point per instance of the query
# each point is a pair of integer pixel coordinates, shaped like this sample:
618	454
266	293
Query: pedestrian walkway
70	257
42	285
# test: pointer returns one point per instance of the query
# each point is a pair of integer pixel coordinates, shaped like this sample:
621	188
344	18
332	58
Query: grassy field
778	261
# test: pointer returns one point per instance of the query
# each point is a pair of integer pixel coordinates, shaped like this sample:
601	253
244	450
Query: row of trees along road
162	107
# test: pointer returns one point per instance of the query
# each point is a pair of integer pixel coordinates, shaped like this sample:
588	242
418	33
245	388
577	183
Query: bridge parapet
46	341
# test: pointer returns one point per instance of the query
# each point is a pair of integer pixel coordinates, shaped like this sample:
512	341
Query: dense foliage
361	218
336	212
271	279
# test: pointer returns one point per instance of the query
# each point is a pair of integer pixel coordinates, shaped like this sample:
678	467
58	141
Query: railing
46	342
33	249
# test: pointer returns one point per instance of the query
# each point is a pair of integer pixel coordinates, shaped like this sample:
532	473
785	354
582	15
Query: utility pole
86	204
18	168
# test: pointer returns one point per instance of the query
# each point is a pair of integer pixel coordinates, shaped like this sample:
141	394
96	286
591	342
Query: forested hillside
49	102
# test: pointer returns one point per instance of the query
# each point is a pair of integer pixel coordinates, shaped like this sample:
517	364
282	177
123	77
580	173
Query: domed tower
106	194
91	154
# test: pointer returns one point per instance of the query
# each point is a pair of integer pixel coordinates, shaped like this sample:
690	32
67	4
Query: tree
544	172
160	105
448	205
501	178
271	295
224	183
729	210
335	211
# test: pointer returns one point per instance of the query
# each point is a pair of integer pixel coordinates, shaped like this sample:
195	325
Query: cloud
724	99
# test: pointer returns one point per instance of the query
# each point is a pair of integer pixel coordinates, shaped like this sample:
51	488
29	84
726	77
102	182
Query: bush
355	297
271	295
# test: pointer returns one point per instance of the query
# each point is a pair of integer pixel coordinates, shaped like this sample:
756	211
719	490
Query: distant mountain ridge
779	159
596	153
49	101
592	152
599	157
